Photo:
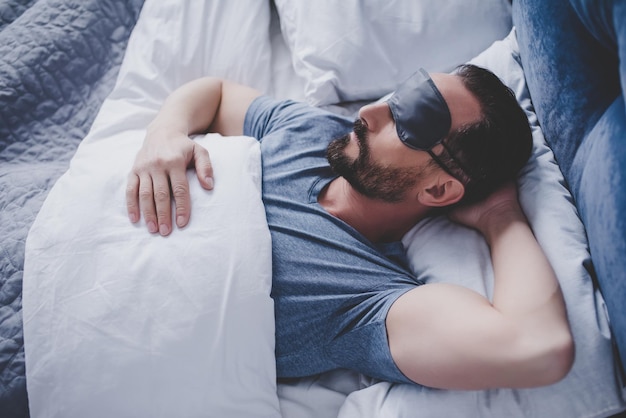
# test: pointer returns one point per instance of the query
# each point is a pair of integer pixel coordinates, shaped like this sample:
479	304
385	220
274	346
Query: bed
58	62
98	318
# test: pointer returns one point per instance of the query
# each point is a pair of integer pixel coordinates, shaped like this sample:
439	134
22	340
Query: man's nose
375	116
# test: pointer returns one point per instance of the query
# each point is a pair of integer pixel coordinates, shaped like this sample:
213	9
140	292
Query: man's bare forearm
527	291
524	277
191	108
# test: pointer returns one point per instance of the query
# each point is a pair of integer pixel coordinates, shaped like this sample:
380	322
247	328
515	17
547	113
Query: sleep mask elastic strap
421	114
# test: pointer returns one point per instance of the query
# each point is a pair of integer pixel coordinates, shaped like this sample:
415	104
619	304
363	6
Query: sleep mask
421	114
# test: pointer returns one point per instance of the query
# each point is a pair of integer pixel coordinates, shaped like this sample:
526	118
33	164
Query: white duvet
120	323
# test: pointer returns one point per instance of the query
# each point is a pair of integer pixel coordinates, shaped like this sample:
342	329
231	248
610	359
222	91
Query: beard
370	179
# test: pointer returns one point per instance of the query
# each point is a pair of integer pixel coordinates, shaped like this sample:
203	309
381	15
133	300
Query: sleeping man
339	195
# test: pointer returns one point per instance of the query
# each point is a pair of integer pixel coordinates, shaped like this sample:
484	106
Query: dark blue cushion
571	53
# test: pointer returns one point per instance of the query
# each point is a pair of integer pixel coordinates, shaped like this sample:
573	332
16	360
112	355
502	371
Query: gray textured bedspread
58	61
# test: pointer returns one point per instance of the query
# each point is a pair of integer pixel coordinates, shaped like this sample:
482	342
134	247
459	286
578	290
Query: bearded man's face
364	174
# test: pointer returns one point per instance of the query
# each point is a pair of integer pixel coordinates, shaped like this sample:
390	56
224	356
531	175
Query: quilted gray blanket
58	61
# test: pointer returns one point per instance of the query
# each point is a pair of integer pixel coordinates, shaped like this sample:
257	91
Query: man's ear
444	192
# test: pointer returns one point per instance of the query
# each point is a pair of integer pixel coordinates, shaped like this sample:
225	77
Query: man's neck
375	219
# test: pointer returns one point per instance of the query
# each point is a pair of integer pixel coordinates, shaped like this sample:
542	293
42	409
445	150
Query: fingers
162	205
155	180
182	200
146	203
132	197
151	197
204	168
139	198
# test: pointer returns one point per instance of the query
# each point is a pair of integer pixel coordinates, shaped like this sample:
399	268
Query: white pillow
121	323
591	389
352	50
176	41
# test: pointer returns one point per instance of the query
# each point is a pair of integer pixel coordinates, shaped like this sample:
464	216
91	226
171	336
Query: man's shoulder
267	114
290	107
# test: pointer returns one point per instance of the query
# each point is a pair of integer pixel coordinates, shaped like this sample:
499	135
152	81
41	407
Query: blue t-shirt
332	287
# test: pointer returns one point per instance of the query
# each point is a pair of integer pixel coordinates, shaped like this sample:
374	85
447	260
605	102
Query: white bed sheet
119	323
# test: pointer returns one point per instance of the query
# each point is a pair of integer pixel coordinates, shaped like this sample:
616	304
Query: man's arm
447	336
159	171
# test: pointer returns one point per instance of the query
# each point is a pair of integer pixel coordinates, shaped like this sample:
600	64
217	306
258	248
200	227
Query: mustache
360	130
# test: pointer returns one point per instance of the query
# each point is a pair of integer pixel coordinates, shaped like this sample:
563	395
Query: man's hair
487	154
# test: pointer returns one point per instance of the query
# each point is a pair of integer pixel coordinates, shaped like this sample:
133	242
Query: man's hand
159	173
204	105
501	205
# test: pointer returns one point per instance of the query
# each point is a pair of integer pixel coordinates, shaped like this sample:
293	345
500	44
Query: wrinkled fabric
58	61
